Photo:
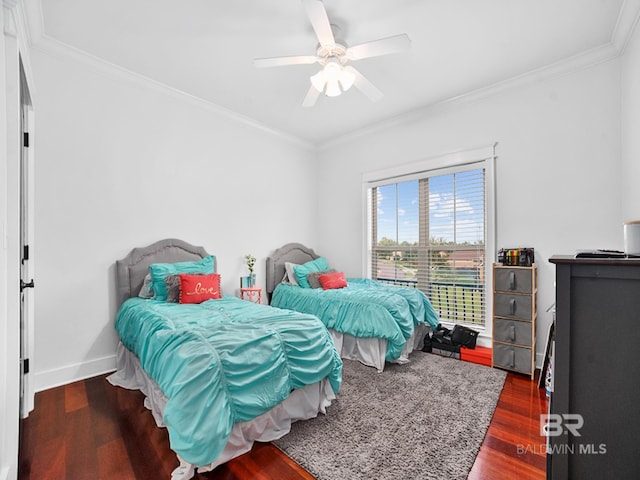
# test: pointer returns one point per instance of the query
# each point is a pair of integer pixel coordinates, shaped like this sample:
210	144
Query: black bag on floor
464	336
427	344
441	343
445	350
442	335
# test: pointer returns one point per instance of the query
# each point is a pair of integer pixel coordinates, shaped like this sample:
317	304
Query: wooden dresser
514	318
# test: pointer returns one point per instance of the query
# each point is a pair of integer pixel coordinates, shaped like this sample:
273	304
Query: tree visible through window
429	233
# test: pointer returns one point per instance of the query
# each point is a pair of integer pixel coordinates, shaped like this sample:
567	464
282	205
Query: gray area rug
423	420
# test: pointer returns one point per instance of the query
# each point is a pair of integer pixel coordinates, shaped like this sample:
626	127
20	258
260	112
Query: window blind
430	233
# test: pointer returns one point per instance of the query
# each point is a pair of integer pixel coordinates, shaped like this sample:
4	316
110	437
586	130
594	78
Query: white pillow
145	291
288	266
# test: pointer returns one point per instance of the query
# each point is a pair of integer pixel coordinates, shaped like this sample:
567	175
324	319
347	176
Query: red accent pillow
199	288
332	280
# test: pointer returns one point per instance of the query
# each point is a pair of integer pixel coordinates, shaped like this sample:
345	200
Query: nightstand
252	294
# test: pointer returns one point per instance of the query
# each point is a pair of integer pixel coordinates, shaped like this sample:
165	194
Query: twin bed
369	321
220	372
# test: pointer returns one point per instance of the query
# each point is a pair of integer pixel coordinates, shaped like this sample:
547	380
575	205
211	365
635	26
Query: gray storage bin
506	305
513	280
512	357
512	331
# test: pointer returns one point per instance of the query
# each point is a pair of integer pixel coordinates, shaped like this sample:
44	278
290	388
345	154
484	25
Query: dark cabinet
594	421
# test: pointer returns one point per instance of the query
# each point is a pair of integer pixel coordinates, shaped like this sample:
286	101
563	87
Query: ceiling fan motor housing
327	52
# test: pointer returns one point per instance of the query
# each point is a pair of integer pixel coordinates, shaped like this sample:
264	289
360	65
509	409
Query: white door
26	249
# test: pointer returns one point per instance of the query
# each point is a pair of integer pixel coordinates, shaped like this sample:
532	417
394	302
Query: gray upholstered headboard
291	252
131	270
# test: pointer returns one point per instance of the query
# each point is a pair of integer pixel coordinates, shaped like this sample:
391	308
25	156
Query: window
429	230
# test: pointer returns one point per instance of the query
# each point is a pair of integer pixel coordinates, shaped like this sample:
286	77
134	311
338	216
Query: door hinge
25	366
25	139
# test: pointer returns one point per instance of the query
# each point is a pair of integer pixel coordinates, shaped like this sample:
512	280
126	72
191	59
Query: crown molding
12	18
58	49
626	24
9	25
564	67
15	24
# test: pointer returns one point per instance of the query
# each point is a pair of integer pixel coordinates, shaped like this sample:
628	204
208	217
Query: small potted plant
251	262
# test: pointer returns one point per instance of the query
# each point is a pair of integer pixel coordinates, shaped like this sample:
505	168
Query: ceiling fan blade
319	21
283	61
375	48
364	85
311	98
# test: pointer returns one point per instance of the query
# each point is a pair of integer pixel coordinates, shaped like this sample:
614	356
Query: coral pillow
199	288
312	277
332	280
159	271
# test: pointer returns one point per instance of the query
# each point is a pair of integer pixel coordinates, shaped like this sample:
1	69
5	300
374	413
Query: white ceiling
205	48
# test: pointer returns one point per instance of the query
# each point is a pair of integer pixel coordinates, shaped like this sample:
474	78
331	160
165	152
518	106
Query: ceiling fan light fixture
318	81
333	79
346	79
333	88
332	70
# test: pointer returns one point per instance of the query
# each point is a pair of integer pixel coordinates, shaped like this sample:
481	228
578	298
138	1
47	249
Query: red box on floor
481	355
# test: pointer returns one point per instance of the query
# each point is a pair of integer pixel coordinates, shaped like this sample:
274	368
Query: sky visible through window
452	198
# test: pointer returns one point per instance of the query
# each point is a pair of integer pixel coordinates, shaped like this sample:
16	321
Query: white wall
122	163
557	172
631	127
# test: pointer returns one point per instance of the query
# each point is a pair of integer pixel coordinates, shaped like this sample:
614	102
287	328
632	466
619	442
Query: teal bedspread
365	308
223	361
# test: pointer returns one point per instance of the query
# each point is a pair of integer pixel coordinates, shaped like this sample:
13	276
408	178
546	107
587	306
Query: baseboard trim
72	373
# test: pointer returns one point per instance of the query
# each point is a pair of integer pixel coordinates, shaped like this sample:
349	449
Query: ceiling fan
332	54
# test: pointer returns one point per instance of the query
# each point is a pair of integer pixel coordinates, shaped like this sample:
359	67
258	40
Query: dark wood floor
92	430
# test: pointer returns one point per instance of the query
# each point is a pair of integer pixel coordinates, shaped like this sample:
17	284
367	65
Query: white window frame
482	157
